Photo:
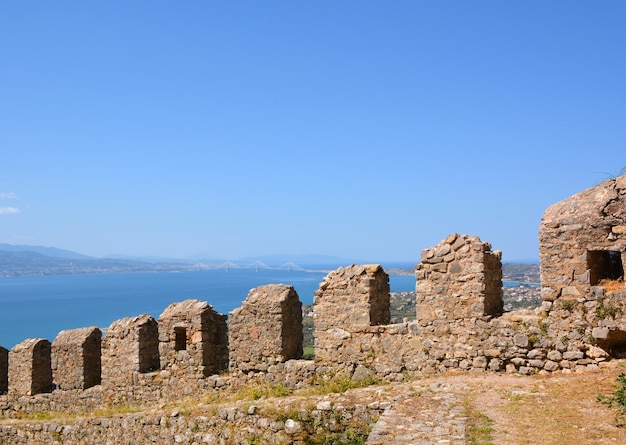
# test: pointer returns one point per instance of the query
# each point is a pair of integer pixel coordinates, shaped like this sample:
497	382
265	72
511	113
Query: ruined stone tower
582	250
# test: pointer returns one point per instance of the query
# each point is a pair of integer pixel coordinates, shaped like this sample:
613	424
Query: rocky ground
457	408
487	408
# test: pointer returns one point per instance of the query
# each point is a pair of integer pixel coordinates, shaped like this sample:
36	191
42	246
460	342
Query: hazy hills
18	260
15	263
47	251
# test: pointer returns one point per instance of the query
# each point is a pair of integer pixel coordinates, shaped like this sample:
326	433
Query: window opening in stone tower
604	264
180	338
614	344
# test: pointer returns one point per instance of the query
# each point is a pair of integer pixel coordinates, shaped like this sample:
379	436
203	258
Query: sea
42	306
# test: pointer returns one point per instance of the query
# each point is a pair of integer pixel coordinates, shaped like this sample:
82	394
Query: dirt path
556	409
514	410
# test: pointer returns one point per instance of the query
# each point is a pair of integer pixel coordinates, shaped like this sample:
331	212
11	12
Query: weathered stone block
600	333
555	356
573	355
551	366
521	340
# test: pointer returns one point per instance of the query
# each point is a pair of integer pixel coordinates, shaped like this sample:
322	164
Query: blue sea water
42	306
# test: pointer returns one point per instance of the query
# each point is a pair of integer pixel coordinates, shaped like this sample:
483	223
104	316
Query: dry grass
560	409
612	285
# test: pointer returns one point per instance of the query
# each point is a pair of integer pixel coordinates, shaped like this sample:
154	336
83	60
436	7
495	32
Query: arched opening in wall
614	344
604	265
180	338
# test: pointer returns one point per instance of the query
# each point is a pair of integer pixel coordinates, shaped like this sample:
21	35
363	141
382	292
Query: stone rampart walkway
423	415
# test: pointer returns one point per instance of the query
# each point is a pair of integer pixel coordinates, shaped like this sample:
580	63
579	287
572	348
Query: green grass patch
479	430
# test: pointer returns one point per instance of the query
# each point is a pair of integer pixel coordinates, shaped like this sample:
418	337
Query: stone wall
30	370
76	358
582	248
459	278
266	329
230	425
349	299
576	238
193	339
130	346
459	326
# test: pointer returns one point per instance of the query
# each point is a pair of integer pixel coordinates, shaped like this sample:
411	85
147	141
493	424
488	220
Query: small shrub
325	384
255	392
603	311
292	414
569	305
254	440
616	401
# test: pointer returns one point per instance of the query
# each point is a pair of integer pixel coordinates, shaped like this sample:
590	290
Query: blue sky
367	130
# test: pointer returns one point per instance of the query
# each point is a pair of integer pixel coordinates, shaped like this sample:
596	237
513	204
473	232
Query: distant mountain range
47	251
25	262
18	260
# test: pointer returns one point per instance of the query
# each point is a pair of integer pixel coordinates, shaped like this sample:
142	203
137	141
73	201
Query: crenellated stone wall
76	358
30	370
459	278
130	346
349	299
460	325
193	339
266	329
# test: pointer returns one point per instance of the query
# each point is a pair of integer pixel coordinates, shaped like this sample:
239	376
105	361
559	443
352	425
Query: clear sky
360	129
